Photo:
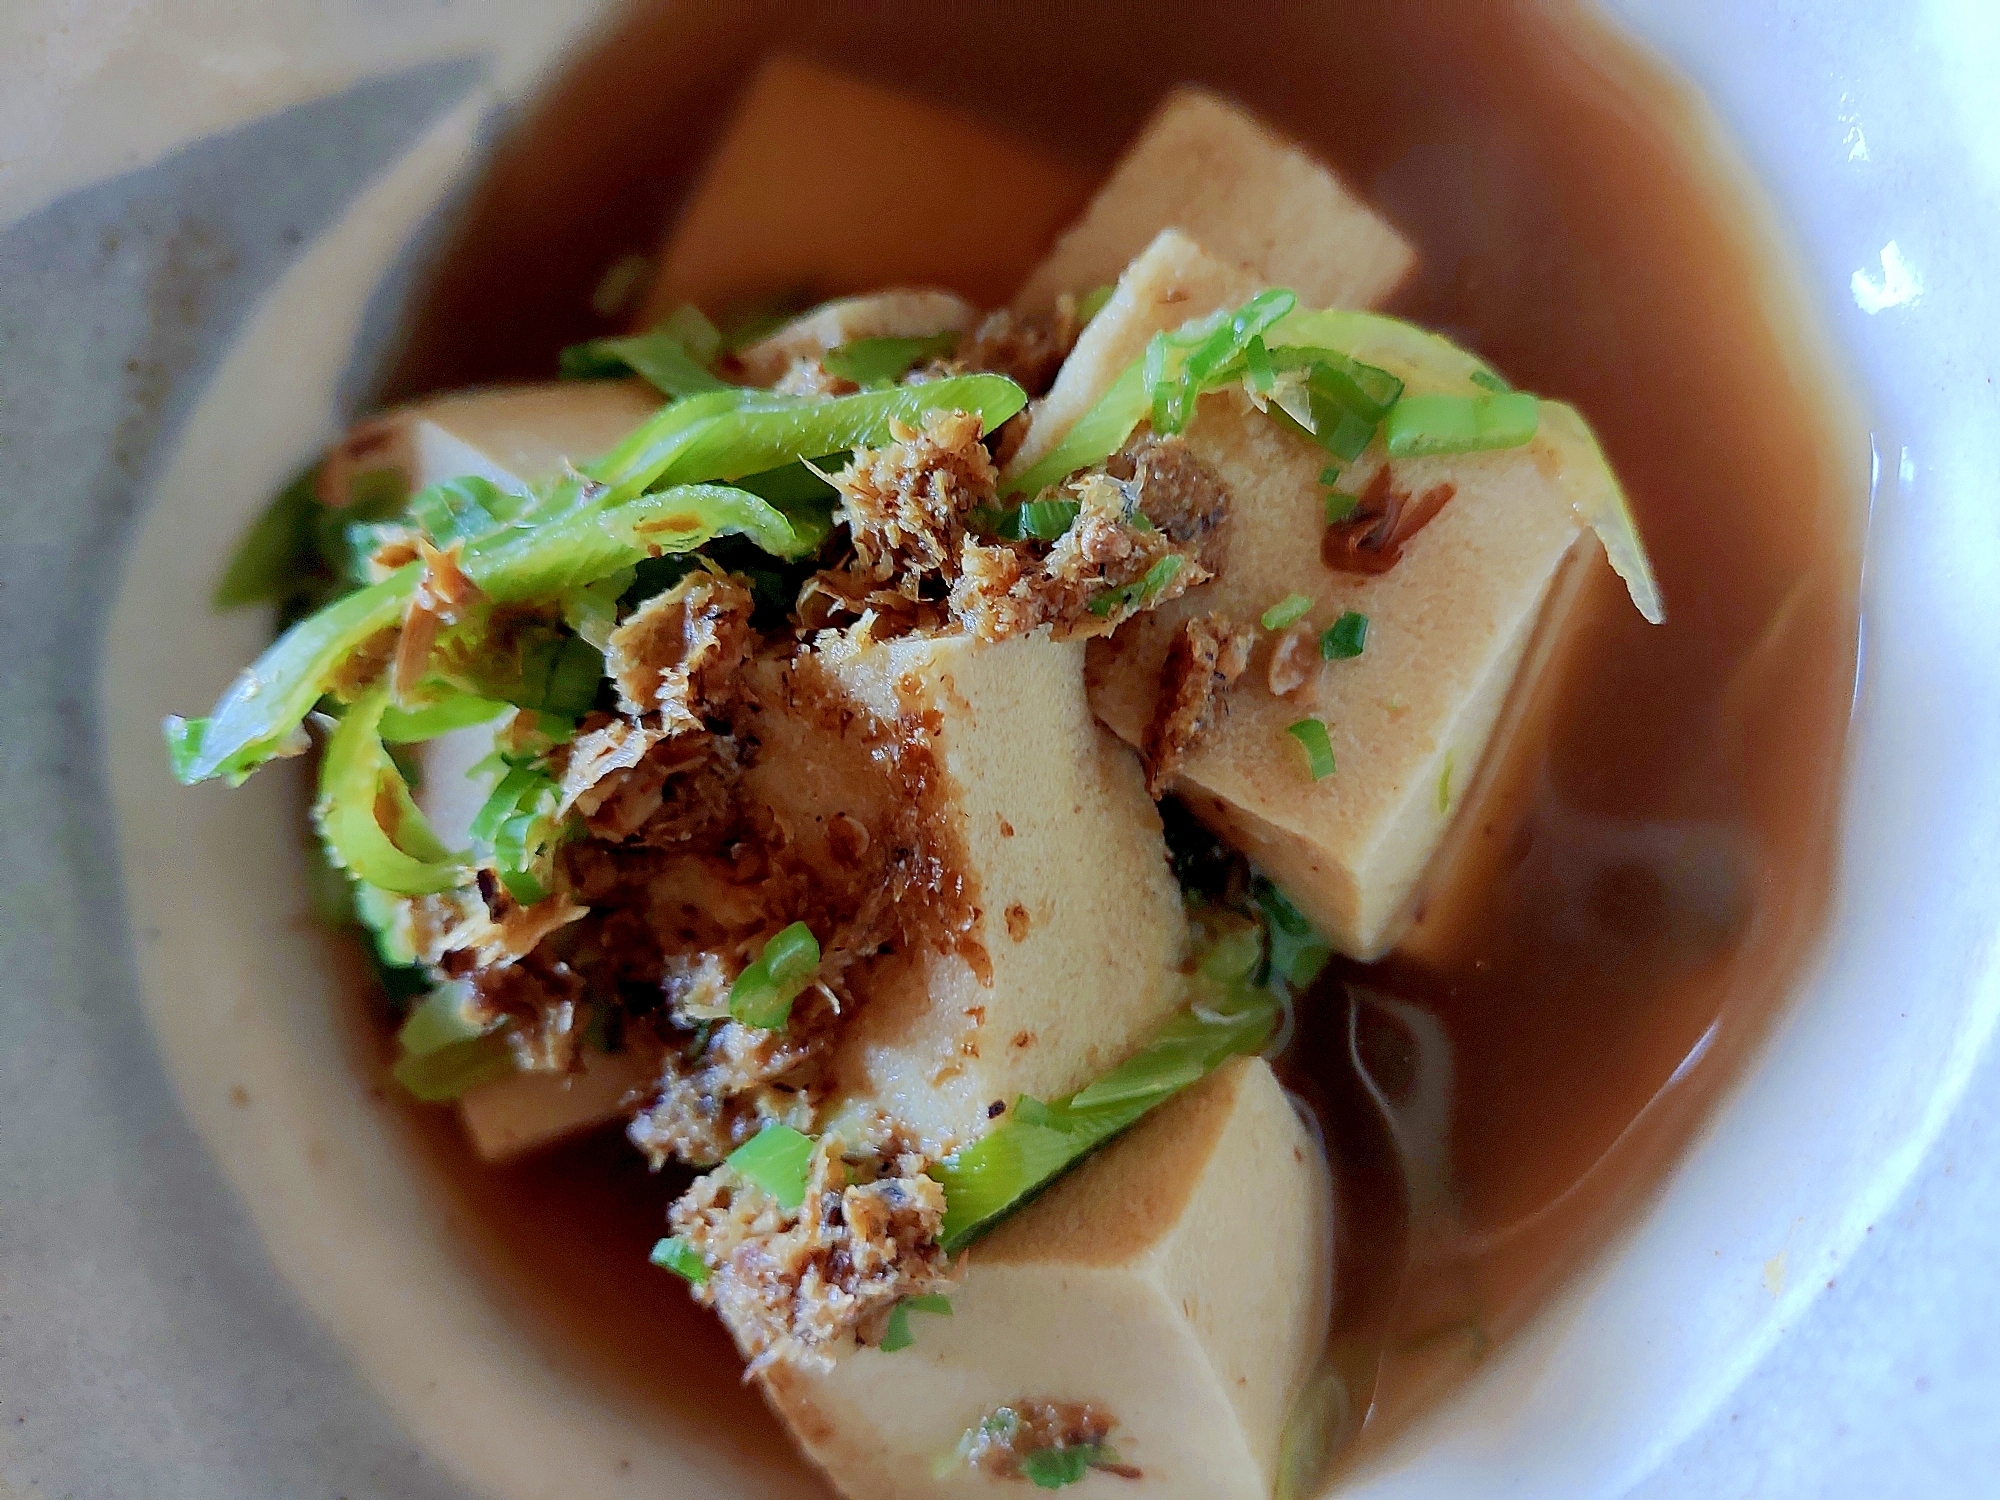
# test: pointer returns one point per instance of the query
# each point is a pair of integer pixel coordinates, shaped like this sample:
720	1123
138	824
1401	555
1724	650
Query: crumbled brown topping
1002	1440
799	1287
1372	539
1294	659
1027	351
808	377
1205	657
905	505
677	653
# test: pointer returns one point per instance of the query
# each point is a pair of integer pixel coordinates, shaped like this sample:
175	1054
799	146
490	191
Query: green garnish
1340	507
440	1021
358	785
1091	303
677	1255
881	361
1046	520
1139	590
1298	952
277	551
408	726
1311	733
674	356
897	1334
1286	611
1345	638
1330	475
1460	424
1489	380
763	993
1444	782
1037	1141
1181	364
516	829
450	1072
777	1159
1052	1468
1257	366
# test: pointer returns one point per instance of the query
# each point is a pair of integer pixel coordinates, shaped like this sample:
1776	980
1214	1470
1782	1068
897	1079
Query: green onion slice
1047	520
449	711
673	357
1311	733
880	361
1054	1468
677	1255
450	1072
358	784
1287	611
1037	1142
1421	425
763	993
1156	578
1091	303
1345	638
777	1159
897	1334
1298	952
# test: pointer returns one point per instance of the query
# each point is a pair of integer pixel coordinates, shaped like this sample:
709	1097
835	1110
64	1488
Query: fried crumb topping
1203	661
802	1287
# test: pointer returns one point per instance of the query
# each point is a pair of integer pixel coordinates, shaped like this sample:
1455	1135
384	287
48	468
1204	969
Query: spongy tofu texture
1206	167
825	185
1181	1279
1079	915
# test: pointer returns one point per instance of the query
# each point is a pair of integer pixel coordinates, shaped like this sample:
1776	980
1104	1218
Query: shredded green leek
1427	424
1345	638
358	782
1156	578
450	1072
451	710
1091	303
1311	733
777	1159
277	551
673	357
1054	1468
677	1255
1047	520
763	993
869	362
898	1334
1287	611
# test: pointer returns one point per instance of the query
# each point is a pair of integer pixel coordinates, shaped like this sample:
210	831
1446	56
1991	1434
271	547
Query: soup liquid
1654	888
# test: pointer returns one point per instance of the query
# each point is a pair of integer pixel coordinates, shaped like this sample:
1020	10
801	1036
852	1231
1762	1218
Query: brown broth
1660	880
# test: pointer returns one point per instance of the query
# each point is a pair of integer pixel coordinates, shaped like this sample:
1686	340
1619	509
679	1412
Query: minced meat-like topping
905	505
1204	658
679	649
799	1287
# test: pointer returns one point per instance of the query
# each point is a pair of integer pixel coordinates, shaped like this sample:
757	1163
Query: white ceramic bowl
210	1288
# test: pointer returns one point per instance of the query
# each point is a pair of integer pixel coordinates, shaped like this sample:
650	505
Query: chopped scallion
1444	782
1286	611
1053	1468
1489	380
1046	520
449	1072
1420	425
677	1255
898	1334
1345	638
777	1159
1140	590
1311	733
763	993
1091	303
879	361
1340	507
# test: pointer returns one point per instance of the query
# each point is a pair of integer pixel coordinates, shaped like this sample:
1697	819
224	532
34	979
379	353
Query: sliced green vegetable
897	1334
465	509
1488	380
1037	1141
777	1159
1053	1468
673	356
1419	425
406	726
1345	639
1311	733
358	785
763	993
516	829
1181	364
1298	952
1047	520
677	1255
449	1072
1288	610
880	361
277	554
1091	303
1444	782
1156	578
441	1020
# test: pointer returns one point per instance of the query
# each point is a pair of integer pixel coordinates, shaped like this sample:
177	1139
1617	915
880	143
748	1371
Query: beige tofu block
512	435
1409	720
1181	1280
1172	281
510	1117
1206	167
1079	915
828	186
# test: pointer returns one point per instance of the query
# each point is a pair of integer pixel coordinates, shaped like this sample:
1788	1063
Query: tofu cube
1253	198
1079	916
1409	719
826	185
1125	1286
